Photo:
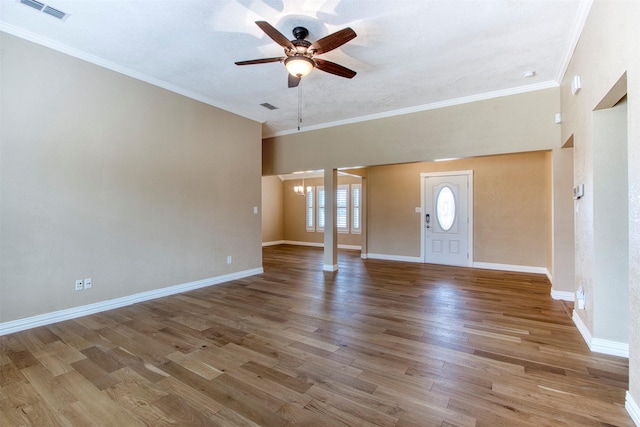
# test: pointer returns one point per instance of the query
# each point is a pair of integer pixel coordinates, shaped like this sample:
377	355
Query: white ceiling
409	54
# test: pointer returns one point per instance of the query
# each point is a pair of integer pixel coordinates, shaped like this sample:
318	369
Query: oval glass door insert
446	208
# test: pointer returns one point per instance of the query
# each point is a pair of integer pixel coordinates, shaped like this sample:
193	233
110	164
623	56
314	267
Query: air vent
45	9
54	12
269	106
33	4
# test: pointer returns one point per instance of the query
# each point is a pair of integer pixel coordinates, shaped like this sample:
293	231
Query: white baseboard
320	245
75	312
296	243
329	267
313	244
598	345
483	265
511	267
351	247
394	257
633	409
613	348
582	328
563	295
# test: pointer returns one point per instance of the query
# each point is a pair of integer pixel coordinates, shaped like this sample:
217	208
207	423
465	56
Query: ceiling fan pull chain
299	106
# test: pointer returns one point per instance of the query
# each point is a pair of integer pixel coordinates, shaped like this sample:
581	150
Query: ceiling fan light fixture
299	66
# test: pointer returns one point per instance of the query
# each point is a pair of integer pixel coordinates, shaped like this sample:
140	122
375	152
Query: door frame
423	241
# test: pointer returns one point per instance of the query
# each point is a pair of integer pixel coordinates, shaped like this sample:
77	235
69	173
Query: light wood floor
377	343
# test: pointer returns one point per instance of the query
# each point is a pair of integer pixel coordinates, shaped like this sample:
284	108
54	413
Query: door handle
427	219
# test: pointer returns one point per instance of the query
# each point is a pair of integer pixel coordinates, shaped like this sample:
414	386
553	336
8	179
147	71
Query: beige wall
510	206
607	49
272	209
508	124
107	177
563	259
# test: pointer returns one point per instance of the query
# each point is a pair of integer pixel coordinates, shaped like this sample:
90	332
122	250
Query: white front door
446	218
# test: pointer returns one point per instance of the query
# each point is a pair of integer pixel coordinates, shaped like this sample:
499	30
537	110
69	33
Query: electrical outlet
88	284
229	259
79	285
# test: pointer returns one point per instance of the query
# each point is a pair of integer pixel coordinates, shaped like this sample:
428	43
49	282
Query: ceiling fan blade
333	68
260	61
275	35
293	80
332	41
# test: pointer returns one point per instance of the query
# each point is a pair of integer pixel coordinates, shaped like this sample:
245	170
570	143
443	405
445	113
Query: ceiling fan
301	54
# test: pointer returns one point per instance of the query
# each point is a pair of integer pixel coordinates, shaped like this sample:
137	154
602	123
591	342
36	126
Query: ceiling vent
269	106
54	12
33	4
45	9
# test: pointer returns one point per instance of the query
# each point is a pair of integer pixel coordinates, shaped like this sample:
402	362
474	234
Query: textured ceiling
409	54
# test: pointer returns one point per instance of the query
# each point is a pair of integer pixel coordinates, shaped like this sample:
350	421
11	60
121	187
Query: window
348	216
445	208
310	196
342	209
355	208
321	217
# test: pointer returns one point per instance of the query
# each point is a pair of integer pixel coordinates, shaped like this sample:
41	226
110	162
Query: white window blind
342	209
321	217
356	198
310	208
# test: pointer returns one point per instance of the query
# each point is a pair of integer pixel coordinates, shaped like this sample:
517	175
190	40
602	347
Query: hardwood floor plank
363	413
23	359
11	414
228	418
195	397
247	401
298	416
335	415
181	413
48	388
144	369
270	387
10	374
76	414
104	360
102	408
27	407
192	363
278	377
93	373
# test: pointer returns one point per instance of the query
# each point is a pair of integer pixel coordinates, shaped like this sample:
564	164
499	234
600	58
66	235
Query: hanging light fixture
298	65
299	189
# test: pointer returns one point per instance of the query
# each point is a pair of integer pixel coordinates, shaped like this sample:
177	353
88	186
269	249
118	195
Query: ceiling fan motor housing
300	33
301	45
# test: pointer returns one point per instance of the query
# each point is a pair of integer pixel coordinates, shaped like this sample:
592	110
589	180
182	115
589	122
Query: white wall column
330	229
363	219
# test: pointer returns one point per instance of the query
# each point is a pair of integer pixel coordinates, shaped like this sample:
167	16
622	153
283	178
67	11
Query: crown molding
578	26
